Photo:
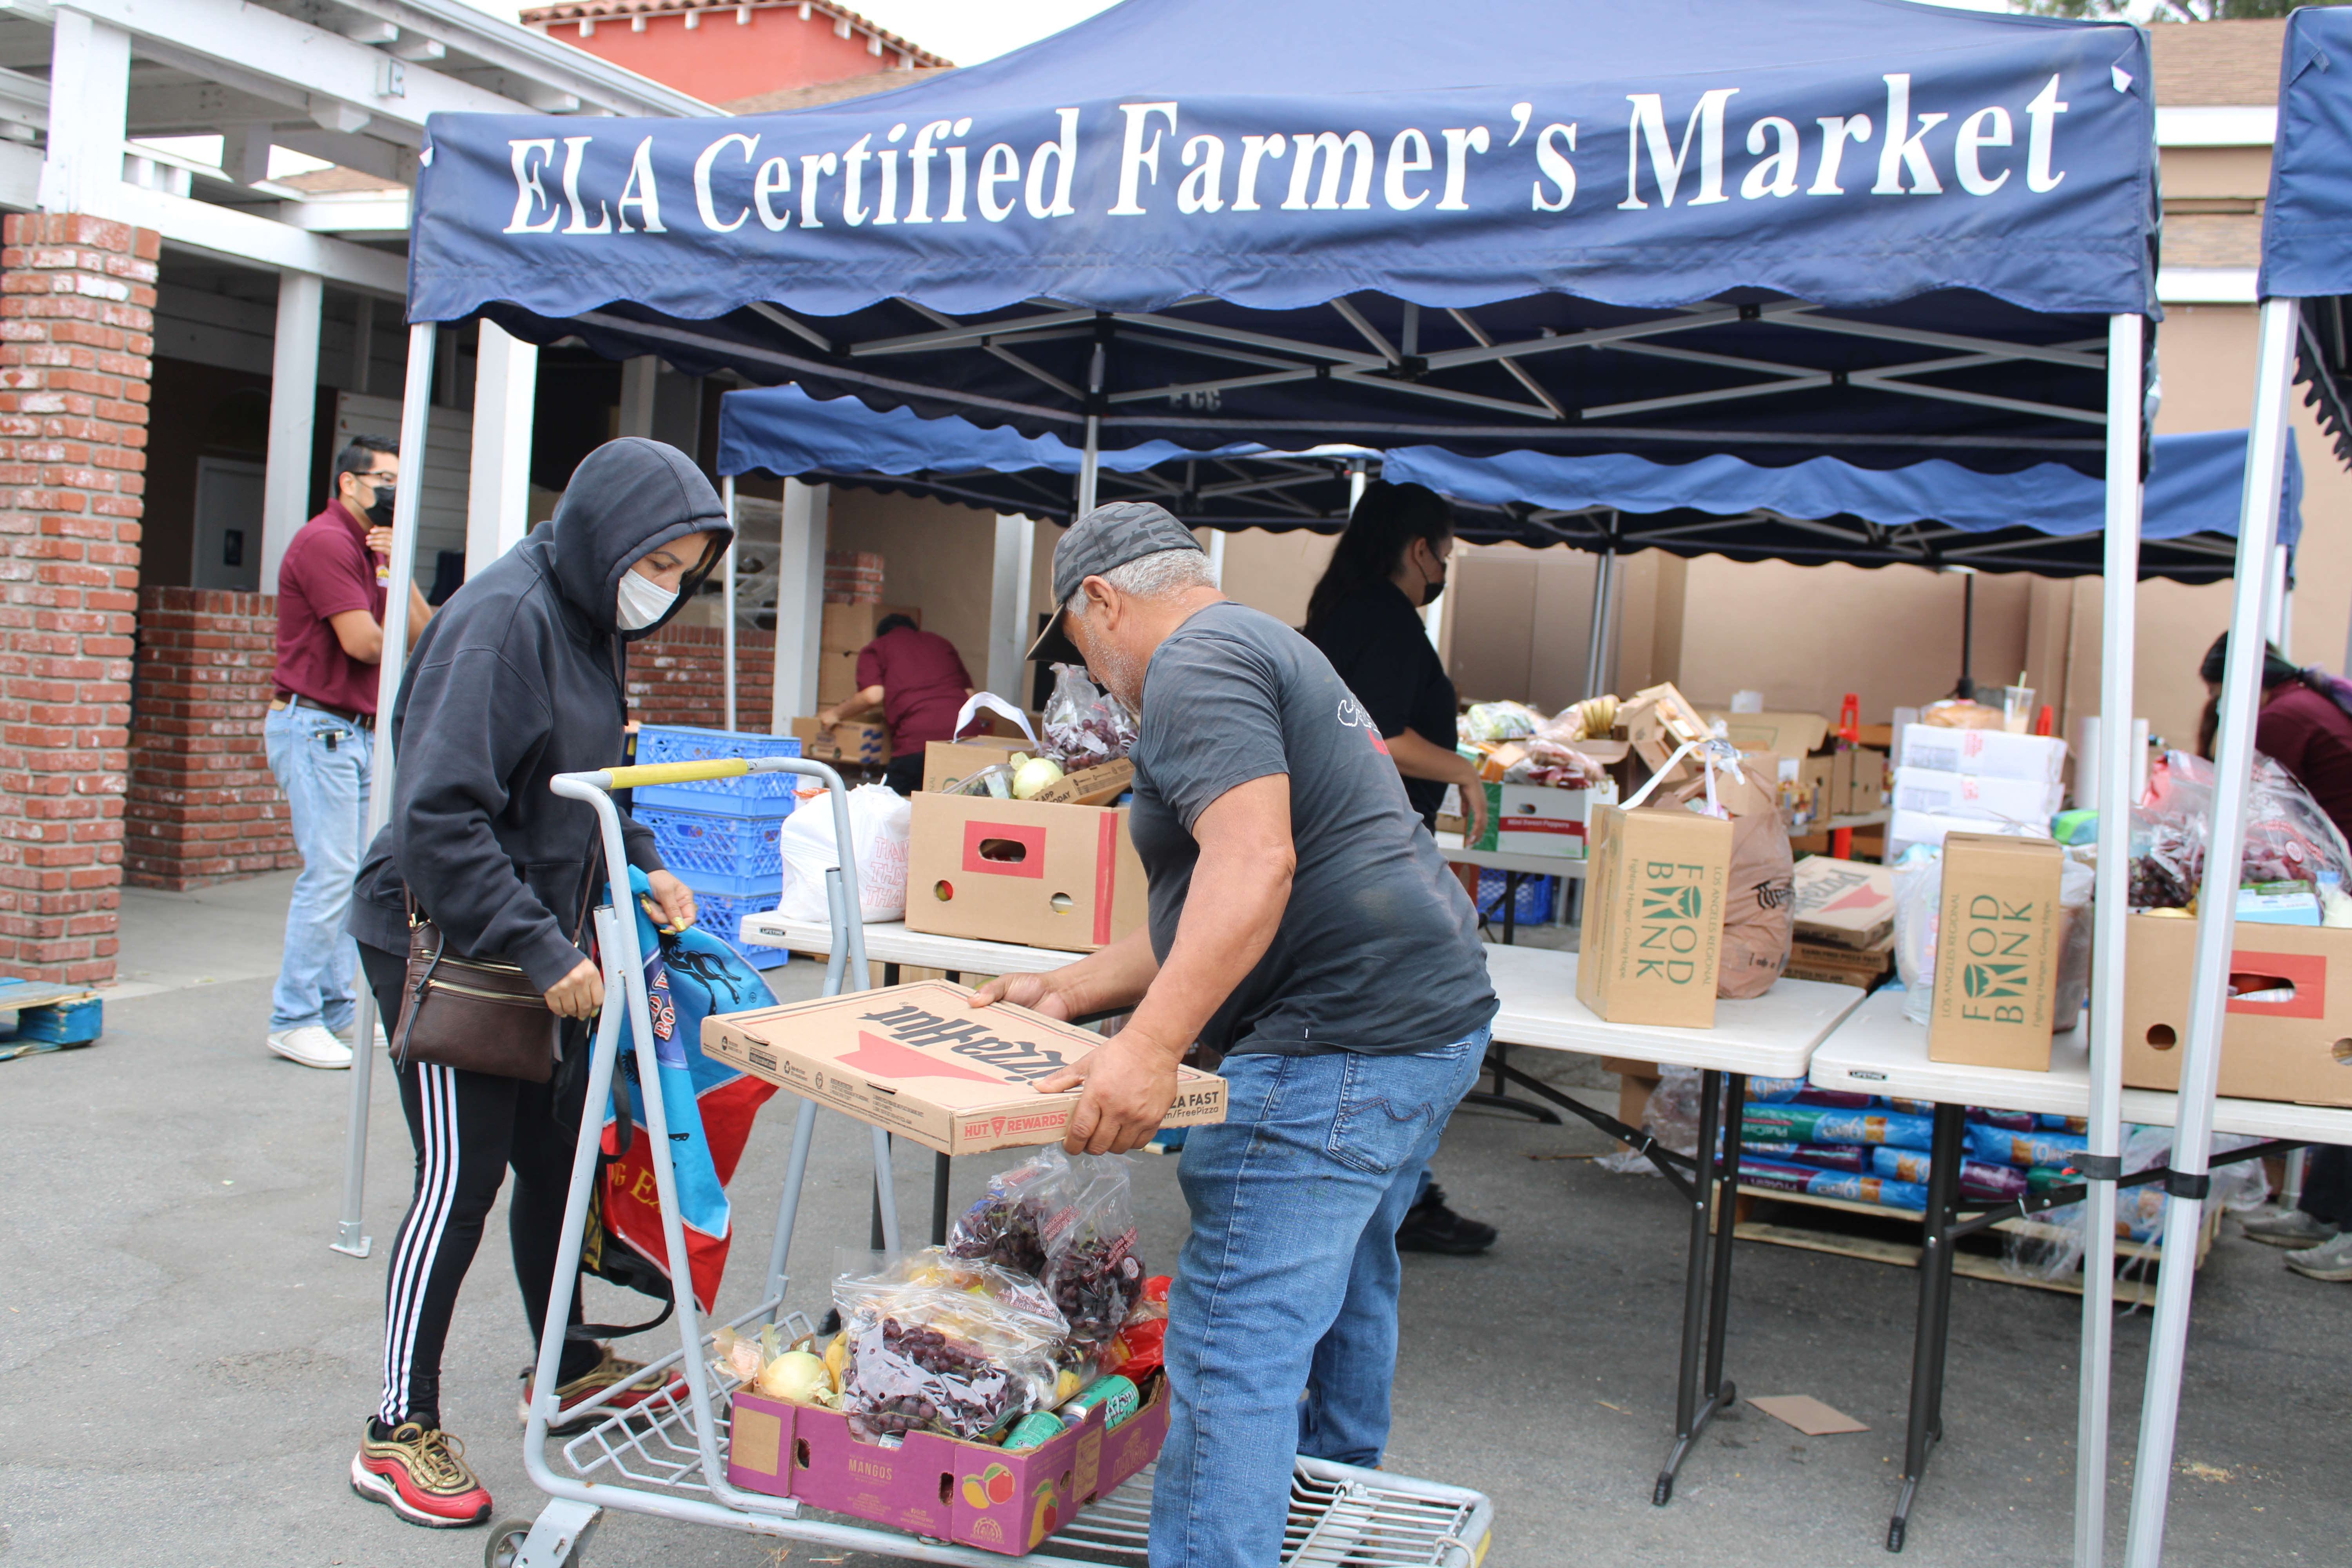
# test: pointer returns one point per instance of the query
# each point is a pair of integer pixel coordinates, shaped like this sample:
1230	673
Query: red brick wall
677	676
77	324
202	806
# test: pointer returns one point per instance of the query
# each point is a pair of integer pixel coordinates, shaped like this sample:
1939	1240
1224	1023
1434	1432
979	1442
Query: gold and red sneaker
610	1370
420	1473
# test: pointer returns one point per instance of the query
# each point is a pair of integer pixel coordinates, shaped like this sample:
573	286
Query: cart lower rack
666	1456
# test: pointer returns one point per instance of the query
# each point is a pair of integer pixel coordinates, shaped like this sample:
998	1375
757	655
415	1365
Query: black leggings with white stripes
468	1128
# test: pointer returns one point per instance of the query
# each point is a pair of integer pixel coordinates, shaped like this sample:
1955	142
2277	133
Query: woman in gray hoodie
518	679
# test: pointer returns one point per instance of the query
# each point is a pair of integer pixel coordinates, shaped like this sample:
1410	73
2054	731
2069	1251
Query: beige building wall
937	557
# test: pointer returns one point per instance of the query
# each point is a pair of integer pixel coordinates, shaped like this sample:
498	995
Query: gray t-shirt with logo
1378	951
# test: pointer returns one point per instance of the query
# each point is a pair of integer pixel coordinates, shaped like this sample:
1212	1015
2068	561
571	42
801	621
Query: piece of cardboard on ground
921	1061
1806	1414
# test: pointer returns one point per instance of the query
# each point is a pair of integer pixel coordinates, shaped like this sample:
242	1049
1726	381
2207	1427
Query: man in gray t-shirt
1304	924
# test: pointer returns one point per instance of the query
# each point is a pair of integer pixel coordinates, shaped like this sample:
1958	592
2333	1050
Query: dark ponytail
2276	670
1385	523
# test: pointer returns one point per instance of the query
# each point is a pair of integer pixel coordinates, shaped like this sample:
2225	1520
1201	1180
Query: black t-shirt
1378	951
1377	643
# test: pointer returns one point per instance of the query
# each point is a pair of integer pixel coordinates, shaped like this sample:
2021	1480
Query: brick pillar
76	319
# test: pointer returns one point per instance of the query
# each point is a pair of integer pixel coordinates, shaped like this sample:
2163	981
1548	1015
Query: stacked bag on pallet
719	836
1869	1149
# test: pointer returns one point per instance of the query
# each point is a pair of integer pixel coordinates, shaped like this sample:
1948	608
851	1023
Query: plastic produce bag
2053	1246
2076	883
2288	838
1918	900
1069	1222
1499	722
951	1344
879	817
1085	726
1671	1117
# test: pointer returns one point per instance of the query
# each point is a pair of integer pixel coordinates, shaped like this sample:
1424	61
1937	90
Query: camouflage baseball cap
1103	541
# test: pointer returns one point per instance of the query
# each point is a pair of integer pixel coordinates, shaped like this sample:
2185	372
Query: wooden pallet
2135	1259
49	1017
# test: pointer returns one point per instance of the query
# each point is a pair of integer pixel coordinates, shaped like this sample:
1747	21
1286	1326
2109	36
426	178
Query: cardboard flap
1089	786
1787	734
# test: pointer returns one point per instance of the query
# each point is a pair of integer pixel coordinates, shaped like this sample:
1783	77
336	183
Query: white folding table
1772	1035
1877	1050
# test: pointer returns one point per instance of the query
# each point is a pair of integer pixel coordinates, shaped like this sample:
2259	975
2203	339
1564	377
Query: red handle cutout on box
1031	840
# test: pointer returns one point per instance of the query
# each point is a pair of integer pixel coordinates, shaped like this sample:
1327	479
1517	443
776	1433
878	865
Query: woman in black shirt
1365	615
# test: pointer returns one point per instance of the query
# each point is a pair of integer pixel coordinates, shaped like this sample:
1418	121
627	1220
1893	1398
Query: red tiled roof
2211	63
598	10
785	98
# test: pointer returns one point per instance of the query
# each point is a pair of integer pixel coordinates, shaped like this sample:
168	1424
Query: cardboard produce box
836	676
2031	801
1997	939
1037	873
1782	734
1844	903
1654	906
1992	753
935	1484
1538	819
922	1061
949	763
1868	785
2282	1037
848	629
853	742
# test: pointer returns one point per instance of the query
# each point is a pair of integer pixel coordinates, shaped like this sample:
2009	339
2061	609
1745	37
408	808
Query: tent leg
2225	847
1087	465
2119	587
1596	673
726	600
417	401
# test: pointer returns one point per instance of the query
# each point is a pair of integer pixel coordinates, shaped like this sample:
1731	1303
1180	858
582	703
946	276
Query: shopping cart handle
675	772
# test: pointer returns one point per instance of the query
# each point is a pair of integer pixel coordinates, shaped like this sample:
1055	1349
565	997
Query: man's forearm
1111	981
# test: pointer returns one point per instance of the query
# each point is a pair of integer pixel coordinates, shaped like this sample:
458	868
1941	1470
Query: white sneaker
313	1045
381	1043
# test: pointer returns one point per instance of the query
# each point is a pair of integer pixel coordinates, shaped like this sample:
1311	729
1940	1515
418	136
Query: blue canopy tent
1867	229
2307	274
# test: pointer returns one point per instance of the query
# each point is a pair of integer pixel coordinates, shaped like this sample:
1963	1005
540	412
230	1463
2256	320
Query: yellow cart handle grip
675	772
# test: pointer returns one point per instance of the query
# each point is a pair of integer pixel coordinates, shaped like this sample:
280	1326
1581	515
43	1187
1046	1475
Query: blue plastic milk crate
755	795
721	914
714	852
1530	906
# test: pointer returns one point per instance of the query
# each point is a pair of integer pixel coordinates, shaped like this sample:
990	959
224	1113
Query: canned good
1034	1429
1119	1397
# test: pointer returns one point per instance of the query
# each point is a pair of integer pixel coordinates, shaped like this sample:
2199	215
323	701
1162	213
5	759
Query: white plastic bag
879	816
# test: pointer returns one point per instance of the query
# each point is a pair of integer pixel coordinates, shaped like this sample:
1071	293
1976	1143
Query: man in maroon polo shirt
320	734
919	681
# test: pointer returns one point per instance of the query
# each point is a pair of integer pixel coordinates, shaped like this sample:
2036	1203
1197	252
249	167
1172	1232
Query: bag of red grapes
1067	1221
944	1344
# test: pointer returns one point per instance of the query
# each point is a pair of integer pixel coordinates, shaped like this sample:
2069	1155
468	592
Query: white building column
800	601
638	378
90	91
286	485
498	496
1008	608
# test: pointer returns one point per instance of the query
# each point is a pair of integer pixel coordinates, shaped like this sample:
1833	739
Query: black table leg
1936	1241
938	1200
1510	907
1691	1415
1727	1219
1494	1099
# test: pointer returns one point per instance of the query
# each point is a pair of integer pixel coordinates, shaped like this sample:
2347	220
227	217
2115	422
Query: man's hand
379	542
1473	792
578	994
1129	1082
675	899
1038	993
827	718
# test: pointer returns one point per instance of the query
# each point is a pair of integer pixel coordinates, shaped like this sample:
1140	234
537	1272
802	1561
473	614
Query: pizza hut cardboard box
1038	873
2283	1032
924	1063
934	1485
1844	903
1653	907
1997	935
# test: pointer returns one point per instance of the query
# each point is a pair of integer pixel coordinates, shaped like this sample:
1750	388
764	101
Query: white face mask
642	601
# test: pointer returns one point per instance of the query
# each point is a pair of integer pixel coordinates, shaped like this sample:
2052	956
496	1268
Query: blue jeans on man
1287	1286
321	762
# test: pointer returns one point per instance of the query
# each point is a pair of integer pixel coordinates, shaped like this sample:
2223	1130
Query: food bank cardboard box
922	1061
1992	753
2283	1034
1844	903
931	1484
1997	937
1653	902
1538	819
1035	872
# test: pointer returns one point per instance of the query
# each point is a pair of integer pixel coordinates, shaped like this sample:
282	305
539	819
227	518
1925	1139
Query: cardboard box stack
1844	922
1973	780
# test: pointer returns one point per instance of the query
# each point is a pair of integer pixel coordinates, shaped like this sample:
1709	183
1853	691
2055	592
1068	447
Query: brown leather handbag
481	1015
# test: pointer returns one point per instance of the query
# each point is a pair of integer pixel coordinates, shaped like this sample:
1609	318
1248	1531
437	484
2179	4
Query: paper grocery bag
1653	908
1760	905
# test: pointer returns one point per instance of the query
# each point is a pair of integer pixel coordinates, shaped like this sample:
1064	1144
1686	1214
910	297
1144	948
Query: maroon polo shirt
328	569
923	682
2305	734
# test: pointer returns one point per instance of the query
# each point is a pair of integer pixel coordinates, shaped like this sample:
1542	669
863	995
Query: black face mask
1429	591
380	514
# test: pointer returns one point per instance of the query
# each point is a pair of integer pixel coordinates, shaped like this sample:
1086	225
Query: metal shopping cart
666	1455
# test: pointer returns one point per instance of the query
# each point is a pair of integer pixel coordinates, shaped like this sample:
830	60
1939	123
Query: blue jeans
1287	1286
321	762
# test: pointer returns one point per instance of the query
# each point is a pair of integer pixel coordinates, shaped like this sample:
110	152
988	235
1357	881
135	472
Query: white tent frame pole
2120	591
726	596
416	410
2216	924
1089	465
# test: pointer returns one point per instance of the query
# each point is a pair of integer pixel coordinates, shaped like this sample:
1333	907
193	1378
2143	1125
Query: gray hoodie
518	679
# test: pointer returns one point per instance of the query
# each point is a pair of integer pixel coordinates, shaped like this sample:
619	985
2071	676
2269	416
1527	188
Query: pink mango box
973	1493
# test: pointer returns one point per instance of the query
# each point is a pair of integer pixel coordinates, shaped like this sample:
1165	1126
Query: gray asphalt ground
185	1365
